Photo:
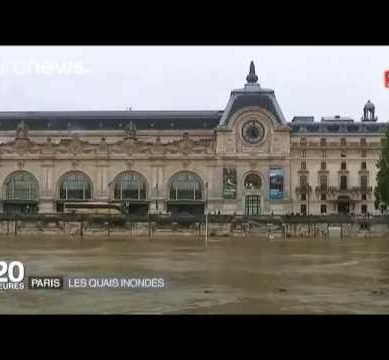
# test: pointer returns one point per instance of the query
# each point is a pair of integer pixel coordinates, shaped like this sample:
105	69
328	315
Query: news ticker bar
60	283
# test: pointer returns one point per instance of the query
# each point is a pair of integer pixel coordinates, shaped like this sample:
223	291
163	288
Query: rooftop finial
252	78
369	112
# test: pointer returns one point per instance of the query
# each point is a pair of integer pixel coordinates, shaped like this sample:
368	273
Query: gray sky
318	81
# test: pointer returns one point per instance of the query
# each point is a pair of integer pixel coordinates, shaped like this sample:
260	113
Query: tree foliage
382	190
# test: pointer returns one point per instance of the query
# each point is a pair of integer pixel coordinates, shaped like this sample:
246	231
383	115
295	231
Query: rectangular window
343	141
363	196
323	209
303	197
323	142
343	165
323	154
343	182
363	181
303	180
303	209
363	141
323	197
323	165
303	154
323	181
363	165
364	209
303	165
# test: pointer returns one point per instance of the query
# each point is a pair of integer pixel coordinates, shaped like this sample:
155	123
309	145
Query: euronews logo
11	275
37	67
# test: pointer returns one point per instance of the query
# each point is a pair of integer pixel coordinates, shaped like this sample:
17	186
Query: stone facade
250	137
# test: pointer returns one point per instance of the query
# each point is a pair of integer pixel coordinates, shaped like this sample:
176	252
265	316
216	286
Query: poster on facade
276	184
229	183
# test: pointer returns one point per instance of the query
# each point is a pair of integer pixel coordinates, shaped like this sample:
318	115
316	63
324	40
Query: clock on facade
253	132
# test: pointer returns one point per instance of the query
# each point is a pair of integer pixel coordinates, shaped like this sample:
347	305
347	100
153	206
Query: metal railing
303	189
335	189
192	219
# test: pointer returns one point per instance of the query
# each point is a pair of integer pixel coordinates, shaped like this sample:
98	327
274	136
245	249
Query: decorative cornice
130	145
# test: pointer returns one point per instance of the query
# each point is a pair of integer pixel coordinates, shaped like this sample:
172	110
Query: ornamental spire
252	78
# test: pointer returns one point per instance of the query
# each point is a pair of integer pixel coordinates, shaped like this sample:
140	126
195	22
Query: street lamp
157	193
308	198
206	214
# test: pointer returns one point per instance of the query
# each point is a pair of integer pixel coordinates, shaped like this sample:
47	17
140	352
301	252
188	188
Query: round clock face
253	132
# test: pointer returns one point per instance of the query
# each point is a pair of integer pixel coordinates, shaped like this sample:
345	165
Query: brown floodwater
230	276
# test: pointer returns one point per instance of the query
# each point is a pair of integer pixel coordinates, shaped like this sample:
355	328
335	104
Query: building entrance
343	205
137	208
186	207
252	205
20	207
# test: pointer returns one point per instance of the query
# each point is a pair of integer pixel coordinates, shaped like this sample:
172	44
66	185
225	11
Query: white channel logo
11	275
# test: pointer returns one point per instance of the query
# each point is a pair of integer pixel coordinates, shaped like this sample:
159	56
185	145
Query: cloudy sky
318	81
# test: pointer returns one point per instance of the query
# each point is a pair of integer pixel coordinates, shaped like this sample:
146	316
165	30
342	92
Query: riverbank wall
152	226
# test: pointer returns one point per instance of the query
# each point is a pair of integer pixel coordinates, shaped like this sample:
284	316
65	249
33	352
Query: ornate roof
170	120
252	95
333	127
110	120
369	106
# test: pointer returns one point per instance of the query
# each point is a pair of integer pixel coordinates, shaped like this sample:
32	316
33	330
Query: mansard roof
334	125
252	95
170	120
110	120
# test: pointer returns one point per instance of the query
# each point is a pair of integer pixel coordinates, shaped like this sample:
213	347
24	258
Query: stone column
101	190
47	188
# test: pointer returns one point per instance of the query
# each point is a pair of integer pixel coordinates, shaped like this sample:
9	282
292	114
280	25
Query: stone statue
75	145
186	143
47	147
21	130
158	147
103	146
130	130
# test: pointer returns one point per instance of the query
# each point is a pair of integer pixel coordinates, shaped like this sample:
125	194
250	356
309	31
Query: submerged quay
195	225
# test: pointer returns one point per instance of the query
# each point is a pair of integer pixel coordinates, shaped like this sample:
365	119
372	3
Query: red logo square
386	78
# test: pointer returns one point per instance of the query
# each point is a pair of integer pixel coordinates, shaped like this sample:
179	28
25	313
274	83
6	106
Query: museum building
246	159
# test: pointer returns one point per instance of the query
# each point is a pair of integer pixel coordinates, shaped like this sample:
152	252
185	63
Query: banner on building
229	183
276	184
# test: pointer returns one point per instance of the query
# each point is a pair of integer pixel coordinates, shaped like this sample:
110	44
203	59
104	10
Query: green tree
381	192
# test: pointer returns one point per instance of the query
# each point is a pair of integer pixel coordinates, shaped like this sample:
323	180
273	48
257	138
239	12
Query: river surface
229	276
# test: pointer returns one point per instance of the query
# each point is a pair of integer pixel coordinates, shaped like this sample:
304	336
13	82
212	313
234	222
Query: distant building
246	159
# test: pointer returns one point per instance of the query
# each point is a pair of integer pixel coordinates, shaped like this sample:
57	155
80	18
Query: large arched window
130	186
252	182
75	186
21	186
185	186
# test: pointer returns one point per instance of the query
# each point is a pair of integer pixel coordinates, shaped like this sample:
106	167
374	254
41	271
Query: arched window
130	186
185	186
252	182
75	186
21	186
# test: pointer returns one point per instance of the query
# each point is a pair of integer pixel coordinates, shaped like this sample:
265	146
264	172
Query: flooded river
230	276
